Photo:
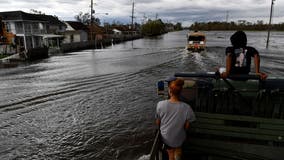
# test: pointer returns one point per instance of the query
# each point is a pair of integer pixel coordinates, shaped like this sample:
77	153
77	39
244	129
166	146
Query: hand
262	76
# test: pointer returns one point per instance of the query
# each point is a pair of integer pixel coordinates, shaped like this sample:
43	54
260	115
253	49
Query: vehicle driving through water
196	41
235	119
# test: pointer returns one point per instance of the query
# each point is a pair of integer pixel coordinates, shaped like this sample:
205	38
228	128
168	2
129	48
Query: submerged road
100	104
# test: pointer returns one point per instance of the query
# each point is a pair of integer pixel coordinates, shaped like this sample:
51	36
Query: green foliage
178	26
242	25
153	28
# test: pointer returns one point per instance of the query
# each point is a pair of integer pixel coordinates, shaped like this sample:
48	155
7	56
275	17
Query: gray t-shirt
173	116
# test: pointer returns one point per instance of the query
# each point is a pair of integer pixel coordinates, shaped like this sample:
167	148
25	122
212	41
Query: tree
178	26
85	18
37	12
153	28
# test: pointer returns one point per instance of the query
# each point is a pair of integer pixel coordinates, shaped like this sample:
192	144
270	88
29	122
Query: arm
257	64
228	66
190	117
187	124
158	122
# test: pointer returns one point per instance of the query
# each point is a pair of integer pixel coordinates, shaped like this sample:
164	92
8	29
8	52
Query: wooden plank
239	118
236	134
254	131
271	126
235	150
210	121
265	126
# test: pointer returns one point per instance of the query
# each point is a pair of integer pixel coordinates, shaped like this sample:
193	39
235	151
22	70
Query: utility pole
227	16
269	25
132	24
132	17
91	22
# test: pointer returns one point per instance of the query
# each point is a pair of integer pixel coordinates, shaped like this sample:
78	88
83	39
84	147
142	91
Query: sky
173	11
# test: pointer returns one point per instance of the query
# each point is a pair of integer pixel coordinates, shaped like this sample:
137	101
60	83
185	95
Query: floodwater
100	104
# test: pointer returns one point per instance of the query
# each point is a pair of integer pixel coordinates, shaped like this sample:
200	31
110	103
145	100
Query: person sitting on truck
173	118
238	57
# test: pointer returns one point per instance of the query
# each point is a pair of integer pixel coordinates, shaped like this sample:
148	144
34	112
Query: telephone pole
269	25
91	23
227	16
132	17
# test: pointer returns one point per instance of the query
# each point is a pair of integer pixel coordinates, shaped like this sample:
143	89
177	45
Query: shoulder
229	50
252	50
162	103
185	105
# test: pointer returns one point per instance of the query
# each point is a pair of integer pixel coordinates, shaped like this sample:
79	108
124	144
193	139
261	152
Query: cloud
187	11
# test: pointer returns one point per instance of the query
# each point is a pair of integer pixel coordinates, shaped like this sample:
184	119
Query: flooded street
100	104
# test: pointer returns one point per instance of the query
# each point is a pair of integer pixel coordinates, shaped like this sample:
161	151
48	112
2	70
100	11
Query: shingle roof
77	25
97	29
20	15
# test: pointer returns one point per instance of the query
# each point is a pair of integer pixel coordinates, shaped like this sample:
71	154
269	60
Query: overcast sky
184	11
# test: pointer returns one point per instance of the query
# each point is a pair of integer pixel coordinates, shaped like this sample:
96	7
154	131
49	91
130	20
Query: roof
23	16
77	25
52	20
123	28
97	29
196	33
18	15
45	36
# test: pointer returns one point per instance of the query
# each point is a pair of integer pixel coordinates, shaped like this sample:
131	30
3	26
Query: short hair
176	86
239	39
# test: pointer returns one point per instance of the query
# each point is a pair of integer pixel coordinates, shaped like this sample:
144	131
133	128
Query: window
71	38
40	25
19	27
8	27
1	29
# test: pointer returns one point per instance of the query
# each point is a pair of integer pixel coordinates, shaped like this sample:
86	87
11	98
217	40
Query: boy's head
239	39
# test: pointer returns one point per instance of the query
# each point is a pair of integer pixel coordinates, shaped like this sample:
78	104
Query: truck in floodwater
196	41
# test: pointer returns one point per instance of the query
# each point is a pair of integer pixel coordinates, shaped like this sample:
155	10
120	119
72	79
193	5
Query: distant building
75	32
96	32
123	30
116	31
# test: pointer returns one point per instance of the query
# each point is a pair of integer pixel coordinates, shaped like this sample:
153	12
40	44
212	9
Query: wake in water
144	157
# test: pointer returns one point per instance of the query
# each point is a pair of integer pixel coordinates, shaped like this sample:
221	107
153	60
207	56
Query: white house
116	31
33	30
75	32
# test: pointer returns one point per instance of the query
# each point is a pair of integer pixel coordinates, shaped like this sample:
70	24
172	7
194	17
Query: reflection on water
100	104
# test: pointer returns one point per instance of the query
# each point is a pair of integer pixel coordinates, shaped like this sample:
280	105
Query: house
55	31
124	30
96	32
33	30
116	31
75	32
